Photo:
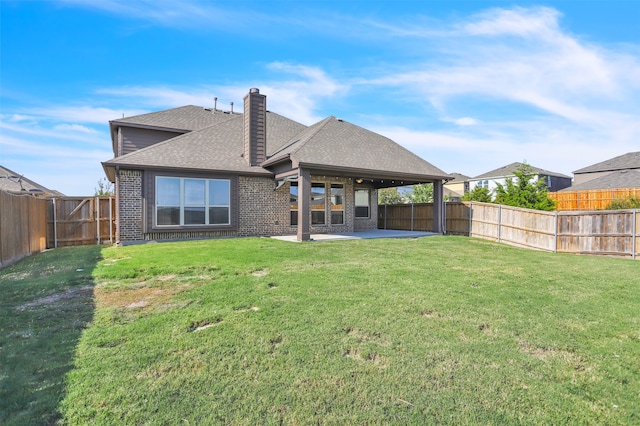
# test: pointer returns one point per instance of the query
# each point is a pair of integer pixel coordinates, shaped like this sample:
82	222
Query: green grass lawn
258	331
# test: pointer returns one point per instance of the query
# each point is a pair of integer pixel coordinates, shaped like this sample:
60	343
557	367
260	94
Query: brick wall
129	183
262	210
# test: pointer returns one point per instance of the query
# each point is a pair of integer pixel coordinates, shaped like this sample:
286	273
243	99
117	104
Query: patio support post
304	204
438	206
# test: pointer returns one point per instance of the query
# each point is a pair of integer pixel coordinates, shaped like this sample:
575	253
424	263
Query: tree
104	189
525	191
389	196
479	193
422	193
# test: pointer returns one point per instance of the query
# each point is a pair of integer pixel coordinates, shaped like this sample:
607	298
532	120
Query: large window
337	204
362	203
318	204
192	202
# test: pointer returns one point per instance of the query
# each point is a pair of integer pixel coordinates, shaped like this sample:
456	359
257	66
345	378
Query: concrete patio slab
360	235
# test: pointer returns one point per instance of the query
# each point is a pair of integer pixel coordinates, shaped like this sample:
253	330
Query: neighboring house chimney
255	127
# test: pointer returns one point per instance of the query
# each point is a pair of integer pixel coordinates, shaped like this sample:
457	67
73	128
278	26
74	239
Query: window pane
168	216
317	217
194	215
293	195
168	191
294	217
337	204
219	215
219	192
337	218
362	212
194	192
337	197
362	203
317	204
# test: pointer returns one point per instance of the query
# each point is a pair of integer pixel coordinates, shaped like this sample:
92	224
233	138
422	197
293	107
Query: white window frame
355	213
207	206
331	203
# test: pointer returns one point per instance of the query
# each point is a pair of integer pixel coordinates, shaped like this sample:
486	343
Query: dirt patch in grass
547	354
86	291
139	297
260	273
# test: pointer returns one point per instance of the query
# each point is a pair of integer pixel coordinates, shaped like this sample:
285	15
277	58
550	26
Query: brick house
193	172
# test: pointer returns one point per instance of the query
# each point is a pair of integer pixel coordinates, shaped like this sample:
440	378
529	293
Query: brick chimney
255	127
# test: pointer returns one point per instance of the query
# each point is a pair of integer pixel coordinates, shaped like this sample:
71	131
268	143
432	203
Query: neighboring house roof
616	179
509	170
11	181
458	177
630	160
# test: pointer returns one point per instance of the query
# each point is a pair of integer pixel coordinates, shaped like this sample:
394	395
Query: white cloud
168	13
74	128
296	97
526	22
462	121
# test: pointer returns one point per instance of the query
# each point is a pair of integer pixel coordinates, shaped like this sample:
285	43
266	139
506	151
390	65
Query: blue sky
469	86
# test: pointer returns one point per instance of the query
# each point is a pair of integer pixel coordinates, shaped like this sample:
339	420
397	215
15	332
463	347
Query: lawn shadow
46	302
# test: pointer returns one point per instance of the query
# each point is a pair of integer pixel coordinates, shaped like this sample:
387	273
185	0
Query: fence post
385	216
98	218
470	216
634	233
499	220
412	216
55	224
555	233
110	220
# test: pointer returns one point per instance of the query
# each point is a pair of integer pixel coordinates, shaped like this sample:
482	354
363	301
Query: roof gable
630	160
336	143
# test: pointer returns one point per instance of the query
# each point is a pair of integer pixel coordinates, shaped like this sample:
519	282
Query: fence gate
74	221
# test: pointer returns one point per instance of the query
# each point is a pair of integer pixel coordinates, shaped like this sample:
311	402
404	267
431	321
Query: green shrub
626	203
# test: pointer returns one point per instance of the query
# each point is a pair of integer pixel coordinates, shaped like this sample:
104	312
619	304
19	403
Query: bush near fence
606	232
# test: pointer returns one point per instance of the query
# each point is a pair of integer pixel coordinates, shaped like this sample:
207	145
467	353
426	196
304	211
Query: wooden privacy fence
609	233
23	227
74	221
597	199
29	224
419	217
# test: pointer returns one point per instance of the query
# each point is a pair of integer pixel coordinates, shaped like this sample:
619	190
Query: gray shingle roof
15	182
187	118
216	147
509	170
630	160
336	143
331	143
458	177
616	179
